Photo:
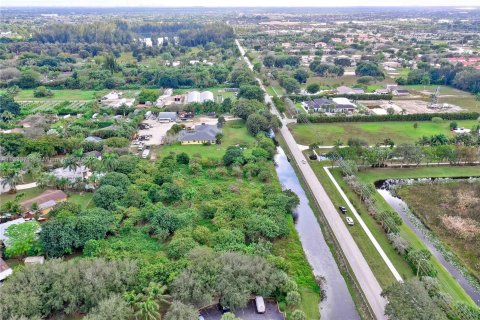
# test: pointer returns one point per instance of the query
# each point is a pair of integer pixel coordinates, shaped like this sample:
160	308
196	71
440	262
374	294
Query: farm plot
55	107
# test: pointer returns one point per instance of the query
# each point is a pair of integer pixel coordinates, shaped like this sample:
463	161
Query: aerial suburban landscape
223	163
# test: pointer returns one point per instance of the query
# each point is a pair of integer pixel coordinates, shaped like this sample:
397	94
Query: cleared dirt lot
410	106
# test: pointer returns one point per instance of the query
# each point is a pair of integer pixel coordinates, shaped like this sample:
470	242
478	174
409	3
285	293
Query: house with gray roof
318	105
203	133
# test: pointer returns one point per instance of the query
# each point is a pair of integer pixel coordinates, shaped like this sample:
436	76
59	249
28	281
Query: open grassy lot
372	132
450	210
234	133
450	95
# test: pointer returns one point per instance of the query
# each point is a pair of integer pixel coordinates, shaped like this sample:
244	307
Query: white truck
145	153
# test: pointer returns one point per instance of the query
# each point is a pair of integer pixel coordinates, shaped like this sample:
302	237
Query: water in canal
422	233
338	303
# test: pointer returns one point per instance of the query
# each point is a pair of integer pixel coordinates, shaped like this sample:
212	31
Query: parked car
223	309
342	209
200	317
349	221
260	304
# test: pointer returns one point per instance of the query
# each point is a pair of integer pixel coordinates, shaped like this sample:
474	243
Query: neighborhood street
365	277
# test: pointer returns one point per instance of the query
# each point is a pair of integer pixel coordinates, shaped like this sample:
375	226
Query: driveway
247	313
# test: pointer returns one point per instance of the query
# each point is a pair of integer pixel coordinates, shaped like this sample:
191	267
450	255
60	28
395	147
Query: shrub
178	248
298	315
293	298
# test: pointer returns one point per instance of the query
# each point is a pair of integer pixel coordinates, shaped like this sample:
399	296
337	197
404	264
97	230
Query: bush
298	315
178	248
293	298
437	119
314	118
42	92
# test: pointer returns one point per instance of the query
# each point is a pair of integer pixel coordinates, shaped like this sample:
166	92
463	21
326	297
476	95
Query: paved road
365	277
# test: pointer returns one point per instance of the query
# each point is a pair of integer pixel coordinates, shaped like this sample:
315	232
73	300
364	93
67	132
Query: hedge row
315	118
364	96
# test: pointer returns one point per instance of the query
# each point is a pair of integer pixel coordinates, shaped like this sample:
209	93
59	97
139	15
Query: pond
384	188
338	303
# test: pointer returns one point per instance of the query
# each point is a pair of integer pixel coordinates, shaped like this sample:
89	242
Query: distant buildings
114	100
204	133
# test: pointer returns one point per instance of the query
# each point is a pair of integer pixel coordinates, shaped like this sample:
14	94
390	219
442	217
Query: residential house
204	133
397	90
348	90
343	105
46	201
80	172
318	105
5	270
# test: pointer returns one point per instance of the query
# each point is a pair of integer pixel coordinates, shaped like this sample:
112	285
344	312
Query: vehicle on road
303	161
342	209
349	221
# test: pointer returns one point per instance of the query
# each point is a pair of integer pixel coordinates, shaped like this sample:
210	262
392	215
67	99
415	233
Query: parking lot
247	313
157	130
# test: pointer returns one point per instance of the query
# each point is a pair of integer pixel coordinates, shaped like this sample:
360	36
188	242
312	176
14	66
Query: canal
338	303
425	235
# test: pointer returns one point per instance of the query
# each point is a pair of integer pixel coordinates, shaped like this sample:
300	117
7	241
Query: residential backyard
234	133
372	132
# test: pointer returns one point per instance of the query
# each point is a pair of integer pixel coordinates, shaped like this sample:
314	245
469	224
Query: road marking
365	228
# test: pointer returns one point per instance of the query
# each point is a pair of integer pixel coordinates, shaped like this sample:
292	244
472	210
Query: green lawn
59	95
84	200
372	132
234	133
447	282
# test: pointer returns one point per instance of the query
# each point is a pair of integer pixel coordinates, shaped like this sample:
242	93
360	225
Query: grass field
450	211
59	95
372	132
234	133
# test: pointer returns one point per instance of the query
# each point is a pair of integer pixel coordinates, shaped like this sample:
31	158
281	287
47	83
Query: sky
236	3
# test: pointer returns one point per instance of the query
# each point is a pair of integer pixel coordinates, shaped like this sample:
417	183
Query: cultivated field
372	132
451	210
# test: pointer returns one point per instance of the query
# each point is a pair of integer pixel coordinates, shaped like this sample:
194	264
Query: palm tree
157	292
71	163
110	161
90	162
11	180
148	310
